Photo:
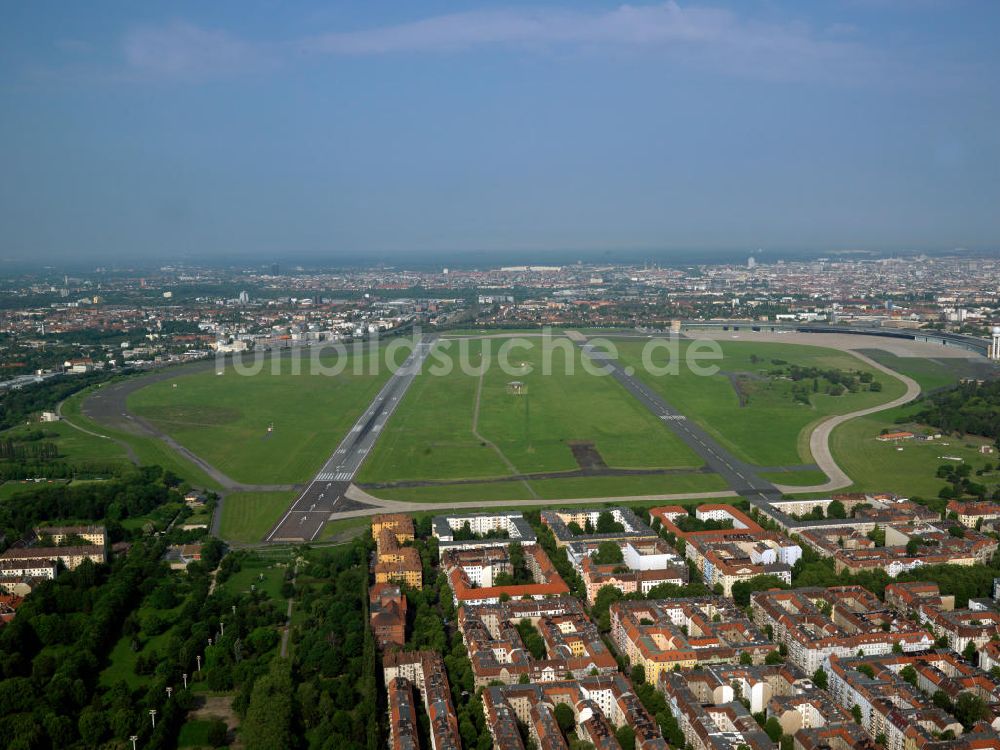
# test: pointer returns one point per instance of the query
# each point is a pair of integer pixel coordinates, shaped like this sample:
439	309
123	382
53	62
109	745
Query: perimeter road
326	493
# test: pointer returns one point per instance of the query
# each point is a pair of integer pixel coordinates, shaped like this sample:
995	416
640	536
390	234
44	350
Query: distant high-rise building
244	297
751	262
995	343
275	270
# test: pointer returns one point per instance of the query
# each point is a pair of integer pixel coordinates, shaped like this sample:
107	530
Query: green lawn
148	450
430	436
14	487
883	467
73	445
771	429
458	493
158	518
250	574
347	528
573	487
612	487
806	478
459	332
194	734
931	373
224	419
247	516
122	659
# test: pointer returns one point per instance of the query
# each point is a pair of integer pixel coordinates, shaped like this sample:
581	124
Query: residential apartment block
472	575
601	705
426	672
573	645
93	535
71	557
14	568
973	514
403	732
645	564
395	563
711	718
724	559
933	544
894	693
816	624
923	602
400	524
662	635
814	720
670	518
728	555
387	614
588	521
481	530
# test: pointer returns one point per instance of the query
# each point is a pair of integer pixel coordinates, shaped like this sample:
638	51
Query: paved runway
741	476
325	494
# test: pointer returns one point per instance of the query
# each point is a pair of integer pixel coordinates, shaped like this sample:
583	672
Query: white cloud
182	49
701	34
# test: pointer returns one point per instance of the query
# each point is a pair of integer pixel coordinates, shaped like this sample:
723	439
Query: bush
218	733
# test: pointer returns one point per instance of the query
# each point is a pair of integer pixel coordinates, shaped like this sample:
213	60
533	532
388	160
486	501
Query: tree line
18	404
134	492
968	408
335	702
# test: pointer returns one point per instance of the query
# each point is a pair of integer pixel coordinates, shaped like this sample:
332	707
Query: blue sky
274	130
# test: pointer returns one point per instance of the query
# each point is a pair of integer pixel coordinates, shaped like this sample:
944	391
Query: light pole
134	737
152	715
222	628
170	692
234	609
185	680
198	657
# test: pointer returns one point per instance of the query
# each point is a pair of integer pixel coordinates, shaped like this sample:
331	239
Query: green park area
265	428
906	467
765	398
72	445
145	449
247	516
932	374
257	574
345	529
465	435
910	467
556	489
487	422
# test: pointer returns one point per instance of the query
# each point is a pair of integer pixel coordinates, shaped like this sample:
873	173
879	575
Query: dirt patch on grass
587	456
185	416
742	383
219	707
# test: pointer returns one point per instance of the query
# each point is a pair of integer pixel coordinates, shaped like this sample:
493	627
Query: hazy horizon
250	132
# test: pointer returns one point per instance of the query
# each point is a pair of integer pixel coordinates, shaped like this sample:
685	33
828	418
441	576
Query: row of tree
19	404
969	408
135	491
28	450
334	665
